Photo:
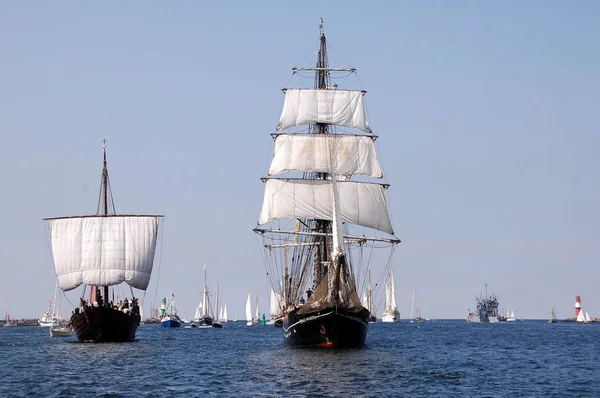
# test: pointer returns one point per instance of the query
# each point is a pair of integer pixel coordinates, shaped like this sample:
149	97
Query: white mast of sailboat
412	306
217	305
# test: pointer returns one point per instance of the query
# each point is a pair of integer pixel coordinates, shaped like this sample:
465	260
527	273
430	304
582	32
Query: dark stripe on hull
100	324
327	328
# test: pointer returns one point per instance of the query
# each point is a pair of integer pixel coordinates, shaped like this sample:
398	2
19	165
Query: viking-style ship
100	251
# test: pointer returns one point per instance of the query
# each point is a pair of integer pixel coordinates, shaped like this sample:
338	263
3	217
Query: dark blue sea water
435	358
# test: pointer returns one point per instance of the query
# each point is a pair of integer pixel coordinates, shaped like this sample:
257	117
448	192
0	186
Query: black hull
206	321
101	324
326	328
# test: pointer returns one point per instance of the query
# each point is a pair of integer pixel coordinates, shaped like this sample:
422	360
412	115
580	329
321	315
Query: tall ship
99	251
324	206
486	309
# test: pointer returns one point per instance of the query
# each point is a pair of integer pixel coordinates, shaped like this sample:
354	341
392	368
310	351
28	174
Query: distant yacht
249	311
511	315
206	319
553	318
391	313
415	313
50	317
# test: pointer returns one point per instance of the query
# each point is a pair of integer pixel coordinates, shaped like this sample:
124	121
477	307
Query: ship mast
205	296
105	179
322	226
102	204
103	209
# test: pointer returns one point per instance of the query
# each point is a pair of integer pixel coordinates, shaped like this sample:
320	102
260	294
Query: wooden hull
100	324
327	328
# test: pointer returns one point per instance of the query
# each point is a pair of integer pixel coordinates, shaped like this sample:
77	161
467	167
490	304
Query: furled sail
361	203
340	107
354	154
103	250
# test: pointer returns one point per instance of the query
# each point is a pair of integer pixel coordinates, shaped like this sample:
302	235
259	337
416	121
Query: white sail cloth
276	305
361	203
365	301
390	293
352	154
249	309
340	107
103	251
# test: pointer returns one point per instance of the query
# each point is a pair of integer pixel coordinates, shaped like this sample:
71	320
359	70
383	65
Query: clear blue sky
487	115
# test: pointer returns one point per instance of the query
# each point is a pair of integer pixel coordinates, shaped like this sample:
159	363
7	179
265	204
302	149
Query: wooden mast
105	197
323	226
286	277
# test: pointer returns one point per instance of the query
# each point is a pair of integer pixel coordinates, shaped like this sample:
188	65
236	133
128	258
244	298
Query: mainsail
361	203
103	250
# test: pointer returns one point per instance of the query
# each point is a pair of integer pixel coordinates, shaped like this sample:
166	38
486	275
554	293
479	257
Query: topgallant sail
99	251
323	141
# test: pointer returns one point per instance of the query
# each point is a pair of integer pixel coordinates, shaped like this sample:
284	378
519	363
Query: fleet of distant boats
486	311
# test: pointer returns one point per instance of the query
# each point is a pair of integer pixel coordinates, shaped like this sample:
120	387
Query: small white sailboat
391	313
256	318
198	313
224	317
415	313
587	317
553	318
511	315
581	317
50	317
235	319
249	311
58	330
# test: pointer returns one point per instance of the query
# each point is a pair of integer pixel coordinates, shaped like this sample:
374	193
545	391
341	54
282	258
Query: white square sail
340	107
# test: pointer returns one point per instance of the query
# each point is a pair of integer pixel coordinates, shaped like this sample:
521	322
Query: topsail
340	107
354	154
